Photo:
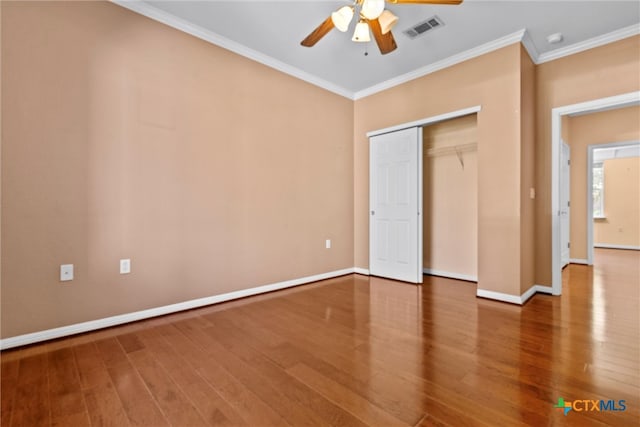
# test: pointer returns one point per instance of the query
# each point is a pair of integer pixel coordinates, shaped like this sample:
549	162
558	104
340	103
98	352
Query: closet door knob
373	212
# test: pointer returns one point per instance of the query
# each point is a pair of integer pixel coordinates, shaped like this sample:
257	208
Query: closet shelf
453	149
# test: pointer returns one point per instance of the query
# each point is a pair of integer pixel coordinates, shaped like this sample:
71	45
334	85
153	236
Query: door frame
562	264
590	149
418	123
594	106
427	121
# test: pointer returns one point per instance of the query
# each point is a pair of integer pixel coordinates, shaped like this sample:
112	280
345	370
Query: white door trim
593	106
420	206
566	187
590	149
427	121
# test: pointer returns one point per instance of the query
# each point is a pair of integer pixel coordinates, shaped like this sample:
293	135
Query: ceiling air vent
424	26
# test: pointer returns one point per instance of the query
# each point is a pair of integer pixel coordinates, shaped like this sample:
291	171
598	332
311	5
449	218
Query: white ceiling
271	31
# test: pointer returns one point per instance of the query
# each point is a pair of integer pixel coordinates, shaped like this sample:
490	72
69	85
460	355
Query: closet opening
425	222
450	198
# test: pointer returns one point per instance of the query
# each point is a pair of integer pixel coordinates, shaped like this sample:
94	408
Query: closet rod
453	149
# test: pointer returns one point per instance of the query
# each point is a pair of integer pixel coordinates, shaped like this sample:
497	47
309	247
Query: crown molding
163	17
614	36
530	47
521	36
445	63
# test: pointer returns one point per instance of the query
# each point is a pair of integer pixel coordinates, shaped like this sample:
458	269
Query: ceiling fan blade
452	2
318	33
386	42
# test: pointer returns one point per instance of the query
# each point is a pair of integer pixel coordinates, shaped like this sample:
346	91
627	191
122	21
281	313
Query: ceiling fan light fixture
361	34
372	9
342	18
387	21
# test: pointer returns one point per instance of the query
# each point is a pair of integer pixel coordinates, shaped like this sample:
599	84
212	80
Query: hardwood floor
350	351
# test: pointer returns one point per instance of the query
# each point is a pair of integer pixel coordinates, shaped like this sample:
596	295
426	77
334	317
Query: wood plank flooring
351	351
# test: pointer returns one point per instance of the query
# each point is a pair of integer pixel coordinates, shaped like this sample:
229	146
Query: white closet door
395	201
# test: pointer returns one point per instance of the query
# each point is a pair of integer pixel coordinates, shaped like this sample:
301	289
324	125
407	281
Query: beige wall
621	204
527	171
599	128
605	71
493	81
450	194
124	138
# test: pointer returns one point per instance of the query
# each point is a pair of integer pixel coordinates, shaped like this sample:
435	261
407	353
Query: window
598	190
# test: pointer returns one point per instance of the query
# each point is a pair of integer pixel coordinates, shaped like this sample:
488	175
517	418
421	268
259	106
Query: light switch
125	266
66	272
327	244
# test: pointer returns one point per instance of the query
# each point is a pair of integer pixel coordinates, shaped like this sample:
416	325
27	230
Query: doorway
612	208
598	105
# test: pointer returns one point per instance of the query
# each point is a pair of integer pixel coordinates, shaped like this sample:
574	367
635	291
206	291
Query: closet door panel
395	228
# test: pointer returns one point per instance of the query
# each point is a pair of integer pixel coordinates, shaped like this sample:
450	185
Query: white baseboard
608	246
544	289
527	294
578	261
450	275
499	296
514	299
93	325
363	271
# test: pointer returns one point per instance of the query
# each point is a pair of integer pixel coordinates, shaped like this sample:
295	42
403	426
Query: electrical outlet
327	244
66	272
125	266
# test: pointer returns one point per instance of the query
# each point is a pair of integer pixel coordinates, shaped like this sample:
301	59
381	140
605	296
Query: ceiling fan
372	16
